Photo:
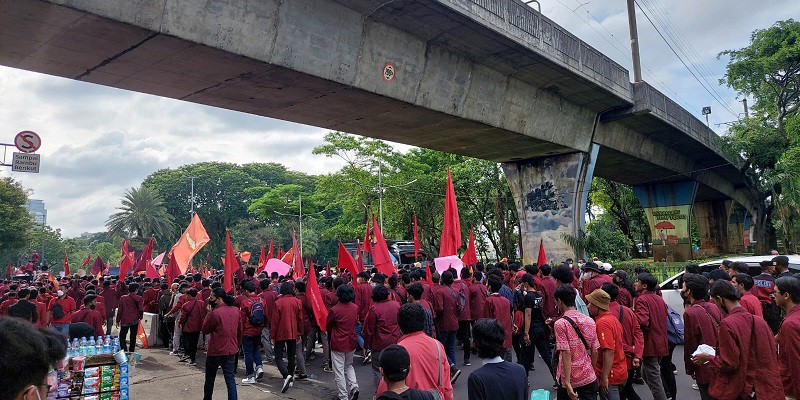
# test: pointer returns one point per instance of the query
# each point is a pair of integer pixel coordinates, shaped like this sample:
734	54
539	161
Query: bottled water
76	348
115	346
98	345
82	348
69	349
90	346
107	345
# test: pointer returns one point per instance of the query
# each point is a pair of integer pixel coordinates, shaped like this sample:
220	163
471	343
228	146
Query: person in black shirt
394	364
536	332
497	378
24	309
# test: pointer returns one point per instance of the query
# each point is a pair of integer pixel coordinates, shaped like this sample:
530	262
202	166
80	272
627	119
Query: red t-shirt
609	334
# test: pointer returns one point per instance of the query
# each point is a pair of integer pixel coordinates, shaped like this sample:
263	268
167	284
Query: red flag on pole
428	276
191	241
417	246
262	259
367	241
66	264
271	248
297	259
315	297
346	261
542	259
126	264
173	270
359	258
98	266
288	256
470	257
87	260
451	229
9	268
144	258
151	271
231	264
383	261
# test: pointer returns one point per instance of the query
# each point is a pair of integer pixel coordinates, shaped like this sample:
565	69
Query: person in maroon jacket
363	291
222	322
88	314
285	331
150	297
746	358
252	309
191	321
268	296
547	288
447	311
67	305
499	308
700	322
341	327
632	338
111	298
465	316
477	297
129	316
651	312
380	326
787	296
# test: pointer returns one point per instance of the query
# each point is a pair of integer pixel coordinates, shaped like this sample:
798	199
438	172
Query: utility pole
380	195
746	113
637	66
191	199
300	203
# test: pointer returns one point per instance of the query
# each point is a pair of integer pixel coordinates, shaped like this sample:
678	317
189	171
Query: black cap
780	261
718	274
395	360
592	266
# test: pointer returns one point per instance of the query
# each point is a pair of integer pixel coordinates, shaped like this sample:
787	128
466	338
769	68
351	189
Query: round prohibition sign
389	72
27	141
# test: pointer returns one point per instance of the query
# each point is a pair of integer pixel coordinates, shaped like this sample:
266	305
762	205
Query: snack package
78	363
91	372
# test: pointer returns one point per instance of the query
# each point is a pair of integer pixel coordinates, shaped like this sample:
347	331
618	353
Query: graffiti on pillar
545	198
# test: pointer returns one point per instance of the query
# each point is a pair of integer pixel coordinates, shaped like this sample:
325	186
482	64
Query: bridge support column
712	224
668	208
550	194
739	225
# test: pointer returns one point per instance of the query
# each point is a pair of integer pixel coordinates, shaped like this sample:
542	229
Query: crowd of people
596	330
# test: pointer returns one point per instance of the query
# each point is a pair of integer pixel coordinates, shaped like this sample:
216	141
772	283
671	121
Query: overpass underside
489	79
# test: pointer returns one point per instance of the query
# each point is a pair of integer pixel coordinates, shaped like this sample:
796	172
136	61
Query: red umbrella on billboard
662	227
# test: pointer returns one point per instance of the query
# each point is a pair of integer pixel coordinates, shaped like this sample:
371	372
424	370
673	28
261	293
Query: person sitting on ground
394	366
27	356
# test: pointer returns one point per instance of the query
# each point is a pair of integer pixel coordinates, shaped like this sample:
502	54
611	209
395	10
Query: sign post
24	162
27	142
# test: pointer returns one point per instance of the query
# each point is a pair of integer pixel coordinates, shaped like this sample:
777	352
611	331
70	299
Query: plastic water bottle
75	349
91	346
540	394
107	345
98	345
82	346
115	346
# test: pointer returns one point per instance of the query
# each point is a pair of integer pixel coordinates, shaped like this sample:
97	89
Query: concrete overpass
491	79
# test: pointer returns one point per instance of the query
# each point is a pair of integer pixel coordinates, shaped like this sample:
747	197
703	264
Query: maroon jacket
225	328
788	340
547	287
130	309
427	294
458	287
286	321
625	298
205	293
632	338
499	308
477	300
192	314
91	317
363	298
111	297
308	314
380	326
700	323
746	359
150	300
446	309
330	299
76	293
246	308
269	297
651	311
341	325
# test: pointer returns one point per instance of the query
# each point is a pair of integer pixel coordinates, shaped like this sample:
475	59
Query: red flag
451	229
417	246
231	264
173	270
288	256
346	261
8	270
428	276
542	259
98	266
144	258
315	297
297	260
142	337
87	260
367	241
470	257
359	258
126	264
262	260
271	248
66	264
281	254
151	271
383	261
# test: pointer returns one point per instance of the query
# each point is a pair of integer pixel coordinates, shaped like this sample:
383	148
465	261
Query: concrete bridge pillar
668	208
550	194
712	224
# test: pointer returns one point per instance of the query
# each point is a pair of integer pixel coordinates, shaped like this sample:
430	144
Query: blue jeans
359	338
213	363
63	328
251	353
448	339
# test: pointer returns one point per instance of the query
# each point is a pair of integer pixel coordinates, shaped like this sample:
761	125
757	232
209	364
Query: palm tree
142	215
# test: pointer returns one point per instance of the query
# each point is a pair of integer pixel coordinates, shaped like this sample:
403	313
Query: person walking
23	308
536	334
253	316
745	363
651	312
610	366
498	307
341	328
787	296
223	324
111	298
285	331
88	314
497	378
191	322
632	338
576	344
465	318
61	309
380	327
395	366
268	295
128	317
700	322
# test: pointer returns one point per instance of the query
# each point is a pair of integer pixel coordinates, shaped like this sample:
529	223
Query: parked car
671	292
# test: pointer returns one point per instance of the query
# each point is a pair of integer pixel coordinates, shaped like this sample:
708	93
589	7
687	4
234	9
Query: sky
99	141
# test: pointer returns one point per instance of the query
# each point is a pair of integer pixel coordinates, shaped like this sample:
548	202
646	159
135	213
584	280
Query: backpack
461	299
674	327
58	311
256	317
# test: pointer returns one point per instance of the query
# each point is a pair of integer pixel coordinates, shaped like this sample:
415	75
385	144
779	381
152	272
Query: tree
769	71
16	222
624	210
142	215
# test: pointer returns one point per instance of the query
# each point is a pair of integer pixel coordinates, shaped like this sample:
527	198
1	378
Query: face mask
683	295
92	306
372	284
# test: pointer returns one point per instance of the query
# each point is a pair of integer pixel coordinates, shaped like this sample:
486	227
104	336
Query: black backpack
256	317
58	311
461	299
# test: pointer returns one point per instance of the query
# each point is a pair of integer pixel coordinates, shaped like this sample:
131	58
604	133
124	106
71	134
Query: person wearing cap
610	365
395	363
781	266
497	378
632	338
592	278
764	285
787	295
62	305
651	312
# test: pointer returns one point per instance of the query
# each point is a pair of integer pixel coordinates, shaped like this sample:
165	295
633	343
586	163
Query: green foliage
623	208
142	215
603	239
15	221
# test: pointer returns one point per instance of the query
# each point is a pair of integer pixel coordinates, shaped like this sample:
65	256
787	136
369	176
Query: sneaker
368	357
467	363
454	374
259	373
301	377
174	353
249	381
192	363
354	394
695	387
286	382
184	360
327	369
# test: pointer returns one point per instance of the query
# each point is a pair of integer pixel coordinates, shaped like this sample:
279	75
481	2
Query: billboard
669	229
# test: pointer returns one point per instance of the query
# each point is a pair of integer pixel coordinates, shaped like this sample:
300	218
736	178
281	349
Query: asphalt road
159	375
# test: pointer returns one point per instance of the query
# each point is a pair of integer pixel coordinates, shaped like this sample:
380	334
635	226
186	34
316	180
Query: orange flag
315	298
380	253
245	256
470	257
192	240
66	264
231	264
142	336
451	229
346	261
288	256
297	260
